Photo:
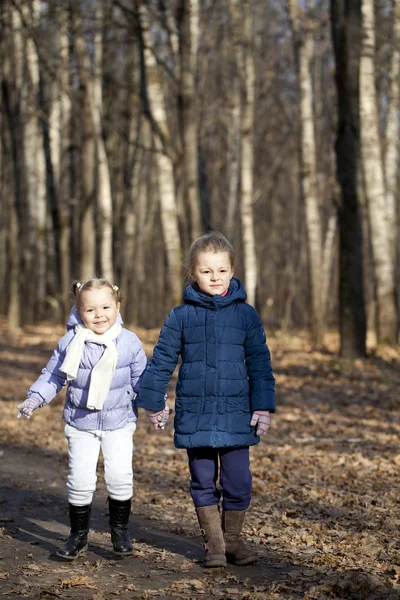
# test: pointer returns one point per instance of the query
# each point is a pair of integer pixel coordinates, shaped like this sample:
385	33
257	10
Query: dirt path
325	512
34	520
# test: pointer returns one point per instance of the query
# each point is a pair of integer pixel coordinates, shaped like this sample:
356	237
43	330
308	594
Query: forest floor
324	516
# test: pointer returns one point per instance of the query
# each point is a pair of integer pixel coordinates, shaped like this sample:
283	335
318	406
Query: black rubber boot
76	543
119	518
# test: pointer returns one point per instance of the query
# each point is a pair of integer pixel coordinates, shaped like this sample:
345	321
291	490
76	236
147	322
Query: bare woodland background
129	127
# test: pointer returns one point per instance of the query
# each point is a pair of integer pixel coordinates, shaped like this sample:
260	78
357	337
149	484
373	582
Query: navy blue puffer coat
225	373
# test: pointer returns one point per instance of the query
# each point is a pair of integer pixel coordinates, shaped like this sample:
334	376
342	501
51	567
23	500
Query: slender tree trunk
304	42
346	34
188	113
156	109
35	162
234	143
60	141
392	133
375	190
11	44
104	183
88	156
242	16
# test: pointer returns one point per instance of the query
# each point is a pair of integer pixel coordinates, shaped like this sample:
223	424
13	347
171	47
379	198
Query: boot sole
245	561
71	558
219	561
127	553
214	564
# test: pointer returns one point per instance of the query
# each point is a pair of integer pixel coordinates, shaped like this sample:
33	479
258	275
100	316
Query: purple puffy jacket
119	407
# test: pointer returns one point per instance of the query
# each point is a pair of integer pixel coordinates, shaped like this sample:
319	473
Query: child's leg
235	479
203	465
83	453
117	447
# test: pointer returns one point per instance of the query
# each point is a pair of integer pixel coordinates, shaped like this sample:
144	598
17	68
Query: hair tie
79	285
115	288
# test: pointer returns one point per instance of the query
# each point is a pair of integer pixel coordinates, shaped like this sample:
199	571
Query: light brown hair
210	242
94	284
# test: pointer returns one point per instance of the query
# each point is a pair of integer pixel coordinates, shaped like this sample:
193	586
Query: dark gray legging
234	477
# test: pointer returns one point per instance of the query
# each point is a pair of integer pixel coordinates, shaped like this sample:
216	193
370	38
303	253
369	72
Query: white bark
328	256
194	32
374	180
93	119
392	132
104	198
60	138
304	44
189	20
234	142
242	11
35	162
169	215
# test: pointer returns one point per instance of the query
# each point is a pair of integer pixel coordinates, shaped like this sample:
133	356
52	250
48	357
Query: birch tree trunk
156	110
304	41
234	143
188	30
392	133
374	180
60	140
242	15
104	198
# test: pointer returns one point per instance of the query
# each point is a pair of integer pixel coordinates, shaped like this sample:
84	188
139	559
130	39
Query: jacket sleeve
159	371
52	380
259	370
138	365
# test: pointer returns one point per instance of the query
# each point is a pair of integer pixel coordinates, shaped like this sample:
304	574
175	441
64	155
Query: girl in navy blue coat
224	395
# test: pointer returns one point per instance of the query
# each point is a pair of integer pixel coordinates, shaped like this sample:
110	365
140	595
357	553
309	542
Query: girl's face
213	272
98	309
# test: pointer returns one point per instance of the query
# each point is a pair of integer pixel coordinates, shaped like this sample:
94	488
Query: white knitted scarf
102	373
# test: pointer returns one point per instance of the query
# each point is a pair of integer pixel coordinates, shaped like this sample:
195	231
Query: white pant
83	454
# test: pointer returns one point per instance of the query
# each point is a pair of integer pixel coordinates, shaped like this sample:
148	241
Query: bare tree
391	158
165	165
241	15
346	34
188	35
383	255
320	256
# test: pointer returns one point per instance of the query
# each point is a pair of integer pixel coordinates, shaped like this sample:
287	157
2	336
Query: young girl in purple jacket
101	362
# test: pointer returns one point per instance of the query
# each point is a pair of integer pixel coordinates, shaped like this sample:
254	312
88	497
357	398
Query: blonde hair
210	242
94	284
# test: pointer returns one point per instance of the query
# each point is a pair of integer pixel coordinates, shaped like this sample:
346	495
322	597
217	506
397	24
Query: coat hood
74	318
193	295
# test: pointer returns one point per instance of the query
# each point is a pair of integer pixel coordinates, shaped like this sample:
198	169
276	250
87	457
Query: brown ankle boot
211	530
237	551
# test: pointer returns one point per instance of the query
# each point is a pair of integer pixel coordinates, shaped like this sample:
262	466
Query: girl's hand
158	419
27	407
262	419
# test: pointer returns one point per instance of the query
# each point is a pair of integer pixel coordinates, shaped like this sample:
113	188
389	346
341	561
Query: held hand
27	407
159	418
262	419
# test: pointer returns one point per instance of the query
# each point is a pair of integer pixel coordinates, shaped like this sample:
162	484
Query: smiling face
98	309
213	272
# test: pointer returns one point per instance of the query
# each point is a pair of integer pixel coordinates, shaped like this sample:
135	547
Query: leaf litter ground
326	489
